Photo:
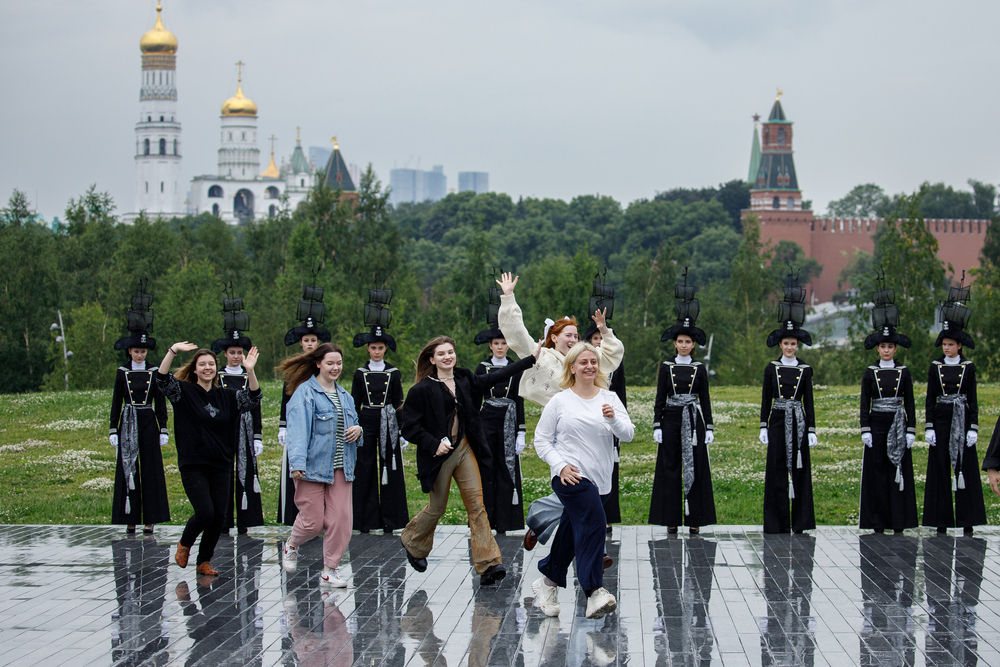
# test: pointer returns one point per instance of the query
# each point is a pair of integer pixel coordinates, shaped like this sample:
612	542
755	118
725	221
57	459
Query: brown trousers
418	536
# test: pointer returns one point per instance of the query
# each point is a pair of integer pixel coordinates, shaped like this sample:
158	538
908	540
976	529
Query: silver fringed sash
689	436
956	437
896	439
509	437
793	411
244	447
388	439
128	442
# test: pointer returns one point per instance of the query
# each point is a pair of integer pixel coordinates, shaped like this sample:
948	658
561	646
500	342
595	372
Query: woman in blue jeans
575	436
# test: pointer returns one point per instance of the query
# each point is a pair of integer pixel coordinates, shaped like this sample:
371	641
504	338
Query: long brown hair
301	367
187	371
557	328
425	368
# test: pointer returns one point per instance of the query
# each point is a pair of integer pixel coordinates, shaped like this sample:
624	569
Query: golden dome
238	104
159	39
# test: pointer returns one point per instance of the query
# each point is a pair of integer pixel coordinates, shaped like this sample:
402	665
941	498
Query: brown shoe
207	569
181	557
182	592
608	562
530	540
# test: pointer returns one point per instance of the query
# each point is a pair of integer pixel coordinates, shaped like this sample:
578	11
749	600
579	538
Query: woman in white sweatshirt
575	436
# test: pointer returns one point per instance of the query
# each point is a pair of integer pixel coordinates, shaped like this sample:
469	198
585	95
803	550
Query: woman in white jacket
575	436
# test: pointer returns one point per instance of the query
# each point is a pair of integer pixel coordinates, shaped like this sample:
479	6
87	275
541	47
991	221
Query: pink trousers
324	507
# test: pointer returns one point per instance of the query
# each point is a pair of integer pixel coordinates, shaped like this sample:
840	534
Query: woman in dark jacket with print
205	417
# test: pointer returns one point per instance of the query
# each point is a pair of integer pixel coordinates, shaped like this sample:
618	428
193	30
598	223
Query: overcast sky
553	99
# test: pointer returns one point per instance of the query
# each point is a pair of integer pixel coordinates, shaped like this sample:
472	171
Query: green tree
17	212
863	201
984	197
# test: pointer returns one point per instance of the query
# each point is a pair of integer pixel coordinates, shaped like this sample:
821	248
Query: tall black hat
885	318
235	322
792	314
601	298
492	316
310	313
139	320
378	317
687	314
955	316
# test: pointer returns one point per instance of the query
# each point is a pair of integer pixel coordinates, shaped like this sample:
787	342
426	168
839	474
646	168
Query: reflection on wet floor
89	595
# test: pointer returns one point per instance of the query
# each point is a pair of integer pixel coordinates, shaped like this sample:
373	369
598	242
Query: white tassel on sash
256	484
687	508
393	462
953	484
961	480
798	460
515	499
243	505
385	476
131	482
791	489
128	505
899	477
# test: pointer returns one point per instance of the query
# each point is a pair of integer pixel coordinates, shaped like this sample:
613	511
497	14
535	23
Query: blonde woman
575	436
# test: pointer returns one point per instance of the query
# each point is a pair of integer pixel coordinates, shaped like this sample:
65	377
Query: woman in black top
441	417
205	417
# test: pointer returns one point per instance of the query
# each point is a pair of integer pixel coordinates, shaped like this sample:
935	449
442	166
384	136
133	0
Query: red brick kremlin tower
777	200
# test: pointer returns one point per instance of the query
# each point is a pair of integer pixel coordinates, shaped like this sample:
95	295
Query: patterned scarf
956	437
244	446
896	440
388	439
128	441
509	436
689	437
792	410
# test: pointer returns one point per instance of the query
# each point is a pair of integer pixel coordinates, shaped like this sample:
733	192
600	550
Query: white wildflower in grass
171	469
72	425
839	431
269	421
21	446
76	460
845	466
269	472
636	459
99	484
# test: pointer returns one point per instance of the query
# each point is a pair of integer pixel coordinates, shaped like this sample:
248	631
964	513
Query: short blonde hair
569	378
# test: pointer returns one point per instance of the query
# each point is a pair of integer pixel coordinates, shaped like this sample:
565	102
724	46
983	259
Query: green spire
754	154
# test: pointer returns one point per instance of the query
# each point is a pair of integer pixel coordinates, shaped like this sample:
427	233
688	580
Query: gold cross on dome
298	136
240	64
272	139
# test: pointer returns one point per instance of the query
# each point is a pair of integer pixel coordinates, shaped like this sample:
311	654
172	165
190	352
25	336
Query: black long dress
147	501
667	505
249	484
502	495
794	383
379	488
612	505
287	510
970	508
884	503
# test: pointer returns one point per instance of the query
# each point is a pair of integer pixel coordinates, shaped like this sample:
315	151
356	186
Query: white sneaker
332	579
600	649
600	603
290	558
546	597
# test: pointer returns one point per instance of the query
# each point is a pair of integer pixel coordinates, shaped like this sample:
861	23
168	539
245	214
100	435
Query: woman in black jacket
441	417
205	417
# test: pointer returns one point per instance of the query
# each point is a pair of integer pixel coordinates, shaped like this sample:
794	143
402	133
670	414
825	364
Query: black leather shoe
418	564
493	574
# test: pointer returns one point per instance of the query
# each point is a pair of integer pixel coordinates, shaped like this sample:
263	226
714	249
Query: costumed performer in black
308	334
786	417
377	389
682	427
249	443
138	426
952	428
888	426
206	415
441	417
502	415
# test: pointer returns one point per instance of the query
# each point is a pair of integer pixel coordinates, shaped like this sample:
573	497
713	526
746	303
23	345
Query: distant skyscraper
415	185
474	181
319	156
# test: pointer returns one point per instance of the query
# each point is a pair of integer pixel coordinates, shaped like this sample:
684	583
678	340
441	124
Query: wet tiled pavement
87	595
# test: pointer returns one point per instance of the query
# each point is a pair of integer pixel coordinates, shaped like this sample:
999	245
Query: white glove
282	435
164	439
763	436
866	438
971	438
930	437
403	444
709	437
813	441
519	444
657	436
258	447
910	439
113	439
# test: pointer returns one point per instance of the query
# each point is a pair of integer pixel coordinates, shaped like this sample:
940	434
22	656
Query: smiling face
444	358
309	342
684	345
499	347
565	339
950	347
376	351
138	354
234	356
789	346
205	369
886	351
585	367
596	339
330	367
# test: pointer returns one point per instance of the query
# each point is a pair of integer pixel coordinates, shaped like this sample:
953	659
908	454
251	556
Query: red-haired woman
205	416
441	416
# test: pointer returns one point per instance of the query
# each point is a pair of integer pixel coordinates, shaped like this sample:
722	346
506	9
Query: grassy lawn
56	465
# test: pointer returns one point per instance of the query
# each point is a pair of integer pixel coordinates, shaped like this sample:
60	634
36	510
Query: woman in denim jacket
322	441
